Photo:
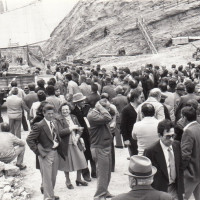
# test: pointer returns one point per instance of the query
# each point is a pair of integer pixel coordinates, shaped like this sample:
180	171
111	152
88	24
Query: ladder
146	35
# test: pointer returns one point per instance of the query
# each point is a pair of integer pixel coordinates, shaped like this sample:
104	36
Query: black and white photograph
99	99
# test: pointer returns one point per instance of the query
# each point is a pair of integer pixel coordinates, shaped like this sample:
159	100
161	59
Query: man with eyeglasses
165	155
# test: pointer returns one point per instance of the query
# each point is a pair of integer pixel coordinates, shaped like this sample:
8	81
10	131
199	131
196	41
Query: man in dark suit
120	101
81	111
187	72
190	153
109	88
94	96
31	97
165	155
141	173
128	119
43	140
190	88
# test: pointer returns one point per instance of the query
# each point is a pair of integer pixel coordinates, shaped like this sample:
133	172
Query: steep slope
81	33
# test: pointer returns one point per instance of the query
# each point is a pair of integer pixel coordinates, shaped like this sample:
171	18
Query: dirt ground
179	55
32	177
119	182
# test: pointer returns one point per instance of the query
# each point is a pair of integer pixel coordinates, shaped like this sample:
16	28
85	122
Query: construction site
159	32
121	33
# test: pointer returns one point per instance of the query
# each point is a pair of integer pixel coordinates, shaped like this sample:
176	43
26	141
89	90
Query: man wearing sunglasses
165	155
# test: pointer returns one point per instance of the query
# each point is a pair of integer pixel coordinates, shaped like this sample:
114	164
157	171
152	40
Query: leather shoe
56	197
94	176
119	147
108	195
21	166
42	190
88	179
70	186
83	183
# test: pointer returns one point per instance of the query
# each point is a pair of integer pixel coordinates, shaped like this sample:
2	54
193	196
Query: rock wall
81	33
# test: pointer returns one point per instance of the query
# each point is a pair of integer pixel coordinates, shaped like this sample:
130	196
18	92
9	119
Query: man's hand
98	106
74	127
127	143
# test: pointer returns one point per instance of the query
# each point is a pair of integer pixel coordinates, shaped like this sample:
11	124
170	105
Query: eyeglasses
168	137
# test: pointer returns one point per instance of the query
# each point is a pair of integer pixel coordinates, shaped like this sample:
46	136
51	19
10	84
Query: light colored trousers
15	127
49	168
103	161
19	153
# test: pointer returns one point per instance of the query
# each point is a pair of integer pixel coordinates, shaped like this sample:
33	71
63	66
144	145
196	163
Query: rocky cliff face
81	33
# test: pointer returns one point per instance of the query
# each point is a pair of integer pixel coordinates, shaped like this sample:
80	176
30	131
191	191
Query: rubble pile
11	183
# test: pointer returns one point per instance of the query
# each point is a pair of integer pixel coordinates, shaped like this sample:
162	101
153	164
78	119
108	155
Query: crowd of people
76	116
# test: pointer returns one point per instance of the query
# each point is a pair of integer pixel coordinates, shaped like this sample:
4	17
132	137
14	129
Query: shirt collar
188	125
148	118
165	148
48	122
151	99
133	105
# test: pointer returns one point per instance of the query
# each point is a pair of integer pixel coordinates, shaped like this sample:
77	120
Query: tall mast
1	7
6	9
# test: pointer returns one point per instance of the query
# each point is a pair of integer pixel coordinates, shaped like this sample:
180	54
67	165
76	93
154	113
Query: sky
25	24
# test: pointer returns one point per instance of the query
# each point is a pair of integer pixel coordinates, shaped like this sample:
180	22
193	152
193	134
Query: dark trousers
86	171
113	157
1	119
133	147
24	122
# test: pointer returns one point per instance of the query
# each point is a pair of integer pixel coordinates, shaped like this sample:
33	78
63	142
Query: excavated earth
81	32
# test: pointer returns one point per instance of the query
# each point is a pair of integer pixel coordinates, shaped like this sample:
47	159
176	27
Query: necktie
52	131
172	164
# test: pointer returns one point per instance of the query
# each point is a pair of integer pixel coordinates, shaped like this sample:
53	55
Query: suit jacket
55	101
145	192
159	109
92	99
15	105
80	114
40	139
110	89
161	179
128	119
187	73
64	131
85	89
190	143
30	98
183	101
120	101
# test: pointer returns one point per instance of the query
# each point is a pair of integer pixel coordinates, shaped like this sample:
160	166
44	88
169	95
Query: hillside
81	32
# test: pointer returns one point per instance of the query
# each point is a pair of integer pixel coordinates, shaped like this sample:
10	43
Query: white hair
140	181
